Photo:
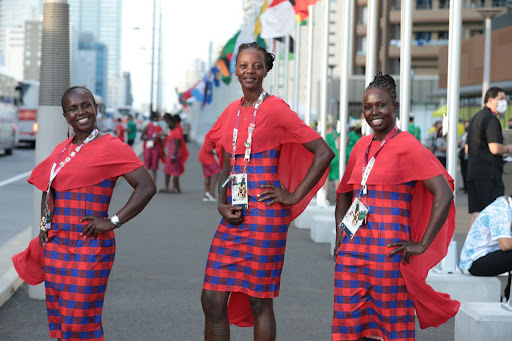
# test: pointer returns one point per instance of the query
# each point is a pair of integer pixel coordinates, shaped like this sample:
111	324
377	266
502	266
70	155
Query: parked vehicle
28	93
8	111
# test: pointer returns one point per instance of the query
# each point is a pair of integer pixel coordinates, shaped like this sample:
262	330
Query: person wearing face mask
485	149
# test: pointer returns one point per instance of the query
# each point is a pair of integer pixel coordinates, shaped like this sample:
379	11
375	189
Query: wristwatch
115	220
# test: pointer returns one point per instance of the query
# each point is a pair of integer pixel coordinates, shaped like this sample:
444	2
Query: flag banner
278	20
198	91
224	60
216	76
301	9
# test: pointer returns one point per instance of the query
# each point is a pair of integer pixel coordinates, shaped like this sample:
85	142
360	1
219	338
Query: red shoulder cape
276	125
404	159
177	133
104	158
205	156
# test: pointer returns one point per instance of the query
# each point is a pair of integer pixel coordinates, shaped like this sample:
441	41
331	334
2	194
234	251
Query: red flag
301	8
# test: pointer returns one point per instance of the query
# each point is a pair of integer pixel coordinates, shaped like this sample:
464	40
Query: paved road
154	288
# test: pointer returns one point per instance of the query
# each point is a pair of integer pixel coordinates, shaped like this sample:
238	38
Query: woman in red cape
177	155
380	273
211	169
75	255
288	164
153	146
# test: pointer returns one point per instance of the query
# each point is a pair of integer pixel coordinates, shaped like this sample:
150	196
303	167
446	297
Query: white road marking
15	178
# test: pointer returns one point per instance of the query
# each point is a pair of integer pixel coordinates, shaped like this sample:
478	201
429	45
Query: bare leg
213	183
264	319
206	185
176	184
167	179
215	308
153	173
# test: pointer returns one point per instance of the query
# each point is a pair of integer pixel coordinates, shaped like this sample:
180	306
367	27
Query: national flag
278	20
224	60
291	48
208	89
216	76
301	9
198	91
257	26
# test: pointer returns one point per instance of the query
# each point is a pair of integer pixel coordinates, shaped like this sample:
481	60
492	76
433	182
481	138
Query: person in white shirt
487	250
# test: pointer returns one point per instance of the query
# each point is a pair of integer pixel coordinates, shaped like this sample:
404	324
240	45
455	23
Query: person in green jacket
414	129
333	140
353	135
131	129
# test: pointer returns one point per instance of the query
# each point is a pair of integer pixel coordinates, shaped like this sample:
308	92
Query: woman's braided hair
269	57
385	82
76	89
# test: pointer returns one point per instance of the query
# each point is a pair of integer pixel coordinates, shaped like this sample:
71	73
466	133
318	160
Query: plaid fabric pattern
370	297
248	258
211	169
176	168
76	270
151	155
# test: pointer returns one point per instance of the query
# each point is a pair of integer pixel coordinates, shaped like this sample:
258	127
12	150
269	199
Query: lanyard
367	166
250	130
57	168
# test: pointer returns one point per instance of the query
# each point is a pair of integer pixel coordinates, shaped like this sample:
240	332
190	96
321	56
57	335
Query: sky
187	28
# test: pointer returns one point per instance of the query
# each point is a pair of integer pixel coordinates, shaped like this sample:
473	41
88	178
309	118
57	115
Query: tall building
430	29
32	54
119	92
89	65
14	47
13	14
102	19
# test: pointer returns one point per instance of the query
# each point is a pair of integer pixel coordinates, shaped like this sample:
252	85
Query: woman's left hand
277	194
96	226
407	248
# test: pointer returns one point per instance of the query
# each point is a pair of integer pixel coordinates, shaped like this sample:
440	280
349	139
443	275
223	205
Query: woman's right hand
43	237
232	214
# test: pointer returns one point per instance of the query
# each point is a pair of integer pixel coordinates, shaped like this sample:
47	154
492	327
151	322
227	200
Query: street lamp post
152	59
487	14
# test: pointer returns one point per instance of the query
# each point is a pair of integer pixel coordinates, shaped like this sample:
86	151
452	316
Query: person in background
440	145
380	272
487	250
76	253
185	125
120	130
510	124
463	156
333	140
153	147
131	130
485	149
433	132
414	130
211	169
353	136
177	155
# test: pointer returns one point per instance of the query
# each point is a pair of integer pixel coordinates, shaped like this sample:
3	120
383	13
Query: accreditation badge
354	218
239	196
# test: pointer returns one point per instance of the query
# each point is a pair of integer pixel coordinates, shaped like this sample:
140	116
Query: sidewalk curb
9	283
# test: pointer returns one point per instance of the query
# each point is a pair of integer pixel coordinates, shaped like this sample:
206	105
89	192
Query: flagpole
296	78
286	63
152	60
405	63
309	86
277	75
346	54
371	51
321	195
269	78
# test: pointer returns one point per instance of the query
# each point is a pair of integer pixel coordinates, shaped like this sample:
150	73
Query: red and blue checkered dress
248	258
370	297
76	271
211	169
152	155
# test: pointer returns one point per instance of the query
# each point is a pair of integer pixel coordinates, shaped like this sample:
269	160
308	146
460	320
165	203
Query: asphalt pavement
155	285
